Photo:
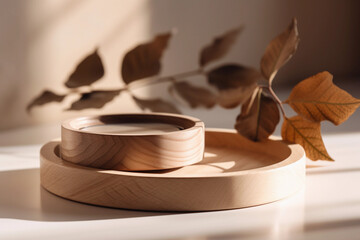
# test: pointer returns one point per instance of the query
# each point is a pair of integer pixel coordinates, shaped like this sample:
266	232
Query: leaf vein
307	141
322	102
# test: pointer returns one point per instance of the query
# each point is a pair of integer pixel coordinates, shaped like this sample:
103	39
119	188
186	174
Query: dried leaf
231	98
156	105
95	99
219	47
307	134
144	60
45	97
88	71
317	98
195	96
258	118
279	51
234	82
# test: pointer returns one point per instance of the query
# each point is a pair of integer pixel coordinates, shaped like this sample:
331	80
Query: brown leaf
317	98
45	97
156	105
307	134
234	82
279	51
219	47
95	99
88	71
259	117
144	60
195	96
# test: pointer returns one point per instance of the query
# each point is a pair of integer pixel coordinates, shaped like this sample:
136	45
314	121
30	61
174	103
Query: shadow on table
22	197
349	227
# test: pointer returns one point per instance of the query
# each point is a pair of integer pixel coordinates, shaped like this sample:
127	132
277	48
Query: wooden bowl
177	141
234	173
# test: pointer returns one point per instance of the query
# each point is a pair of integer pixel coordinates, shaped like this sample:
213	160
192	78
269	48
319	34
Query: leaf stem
277	100
258	113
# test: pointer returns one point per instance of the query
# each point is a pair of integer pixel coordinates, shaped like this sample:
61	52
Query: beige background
43	40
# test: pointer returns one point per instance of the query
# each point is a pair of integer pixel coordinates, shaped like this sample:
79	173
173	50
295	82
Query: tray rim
178	193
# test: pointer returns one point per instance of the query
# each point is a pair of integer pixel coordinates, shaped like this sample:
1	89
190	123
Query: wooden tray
234	173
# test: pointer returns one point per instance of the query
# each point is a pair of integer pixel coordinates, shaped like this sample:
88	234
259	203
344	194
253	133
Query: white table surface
327	208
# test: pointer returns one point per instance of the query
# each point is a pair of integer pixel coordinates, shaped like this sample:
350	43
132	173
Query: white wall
43	40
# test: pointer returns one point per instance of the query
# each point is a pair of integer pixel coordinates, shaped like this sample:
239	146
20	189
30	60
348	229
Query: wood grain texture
234	173
133	152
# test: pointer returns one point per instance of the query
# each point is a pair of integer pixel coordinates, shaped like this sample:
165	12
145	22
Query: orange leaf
307	134
279	51
317	98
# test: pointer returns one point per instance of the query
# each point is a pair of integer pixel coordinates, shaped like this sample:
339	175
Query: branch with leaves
314	99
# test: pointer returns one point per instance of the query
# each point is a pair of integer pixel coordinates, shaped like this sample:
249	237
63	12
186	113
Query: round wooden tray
134	151
234	173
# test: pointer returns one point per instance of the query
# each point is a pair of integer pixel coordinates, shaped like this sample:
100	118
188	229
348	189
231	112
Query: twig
144	82
277	100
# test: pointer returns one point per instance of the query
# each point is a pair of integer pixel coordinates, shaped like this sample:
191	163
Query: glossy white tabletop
327	208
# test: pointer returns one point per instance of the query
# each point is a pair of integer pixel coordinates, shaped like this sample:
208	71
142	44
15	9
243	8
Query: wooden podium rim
133	152
187	123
